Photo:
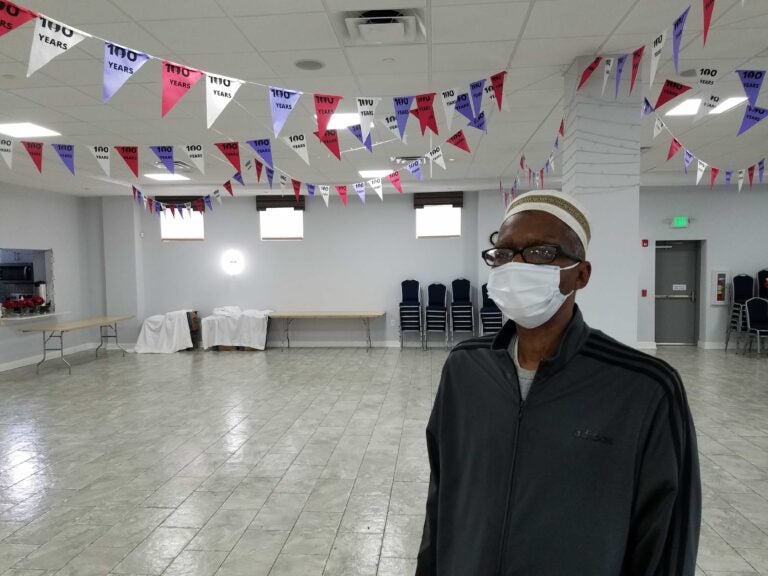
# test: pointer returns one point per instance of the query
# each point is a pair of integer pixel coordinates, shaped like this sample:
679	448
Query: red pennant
669	92
177	80
562	127
709	7
541	177
674	148
35	151
325	106
331	140
173	210
342	192
637	57
199	206
232	152
394	179
13	16
589	70
259	167
751	174
522	162
425	112
150	205
134	190
459	140
713	172
497	83
228	186
130	154
296	188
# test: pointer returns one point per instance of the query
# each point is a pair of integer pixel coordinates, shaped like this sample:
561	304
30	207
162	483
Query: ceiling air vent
178	166
407	159
383	27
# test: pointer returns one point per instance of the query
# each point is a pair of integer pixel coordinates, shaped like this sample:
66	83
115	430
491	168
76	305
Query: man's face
535	228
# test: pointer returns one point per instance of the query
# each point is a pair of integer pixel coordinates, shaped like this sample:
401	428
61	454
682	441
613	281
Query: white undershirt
524	376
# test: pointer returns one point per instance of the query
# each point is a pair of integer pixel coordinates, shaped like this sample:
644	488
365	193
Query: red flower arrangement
26	303
12	304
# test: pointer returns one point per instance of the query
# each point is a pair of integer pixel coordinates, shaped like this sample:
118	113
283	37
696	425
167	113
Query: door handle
691	297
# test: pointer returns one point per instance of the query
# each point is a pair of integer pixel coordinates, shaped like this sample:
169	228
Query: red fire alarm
645	243
644	292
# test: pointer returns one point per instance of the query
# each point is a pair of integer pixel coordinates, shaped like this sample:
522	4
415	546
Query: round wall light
232	262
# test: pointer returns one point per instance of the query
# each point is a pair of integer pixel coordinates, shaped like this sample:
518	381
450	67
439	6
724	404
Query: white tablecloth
164	334
232	327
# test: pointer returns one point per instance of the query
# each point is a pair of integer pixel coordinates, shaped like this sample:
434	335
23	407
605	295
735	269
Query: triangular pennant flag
708	103
436	156
51	39
67	154
607	69
637	58
231	151
479	122
497	83
674	147
700	169
658	126
357	130
331	140
325	192
296	188
283	181
160	207
402	112
728	174
217	195
297	143
325	106
130	155
740	179
239	177
588	71
669	92
707	77
259	167
489	95
425	112
561	131
677	36
761	170
270	176
195	154
165	154
619	71
752	115
459	140
6	150
360	189
687	159
522	162
120	64
377	187
282	102
713	172
709	7
647	108
394	179
552	162
173	210
341	190
658	47
311	190
366	109
476	89
137	195
14	17
752	81
541	178
208	202
415	169
228	187
464	106
391	122
150	203
751	174
219	92
263	148
176	80
449	103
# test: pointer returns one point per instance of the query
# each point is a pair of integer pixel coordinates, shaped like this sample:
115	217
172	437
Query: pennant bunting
677	36
588	71
177	80
228	187
173	210
311	191
120	64
195	154
728	174
51	39
360	189
325	192
707	77
394	179
674	148
464	106
296	188
165	154
476	89
231	151
415	169
263	148
67	154
658	47
658	126
460	141
208	202
149	204
637	58
561	131
541	178
282	179
647	108
449	105
425	112
377	187
709	103
297	143
669	92
522	162
391	122
366	109
713	172
761	170
700	169
752	81
259	167
357	130
402	112
551	162
270	176
619	71
607	69
740	179
282	101
436	156
35	151
217	195
13	16
341	190
687	159
497	83
325	106
130	155
219	92
479	122
752	115
331	140
6	150
751	174
239	177
709	7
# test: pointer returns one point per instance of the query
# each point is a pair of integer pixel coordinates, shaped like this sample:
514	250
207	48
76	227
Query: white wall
733	229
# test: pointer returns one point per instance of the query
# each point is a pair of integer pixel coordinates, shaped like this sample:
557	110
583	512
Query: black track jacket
595	474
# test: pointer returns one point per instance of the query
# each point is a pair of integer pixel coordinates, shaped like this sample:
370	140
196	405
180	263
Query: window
190	227
438	221
281	224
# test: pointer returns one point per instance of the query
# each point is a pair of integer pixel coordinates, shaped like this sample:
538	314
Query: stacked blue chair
490	315
742	289
462	311
762	284
437	311
410	311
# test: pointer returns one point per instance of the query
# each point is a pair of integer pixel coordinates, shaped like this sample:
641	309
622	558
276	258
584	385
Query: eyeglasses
544	254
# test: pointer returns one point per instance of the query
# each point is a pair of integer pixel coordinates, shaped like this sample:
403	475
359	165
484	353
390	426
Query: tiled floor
304	462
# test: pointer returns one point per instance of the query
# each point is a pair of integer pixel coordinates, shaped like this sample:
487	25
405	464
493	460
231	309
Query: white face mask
528	294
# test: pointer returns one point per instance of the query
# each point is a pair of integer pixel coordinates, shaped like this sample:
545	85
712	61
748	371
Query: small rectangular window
189	227
281	224
440	221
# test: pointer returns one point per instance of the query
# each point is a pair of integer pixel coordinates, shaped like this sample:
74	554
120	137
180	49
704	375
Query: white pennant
366	108
436	155
658	48
6	149
298	143
552	162
700	169
741	179
377	187
196	155
708	103
101	153
217	195
658	127
51	39
449	104
391	122
325	192
283	181
607	72
707	77
219	92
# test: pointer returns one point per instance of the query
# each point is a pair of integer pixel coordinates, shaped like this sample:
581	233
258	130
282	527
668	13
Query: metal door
677	280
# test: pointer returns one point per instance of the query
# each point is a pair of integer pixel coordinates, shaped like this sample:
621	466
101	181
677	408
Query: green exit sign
680	222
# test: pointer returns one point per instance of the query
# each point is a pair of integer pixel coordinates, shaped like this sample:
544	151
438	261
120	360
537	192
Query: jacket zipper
509	489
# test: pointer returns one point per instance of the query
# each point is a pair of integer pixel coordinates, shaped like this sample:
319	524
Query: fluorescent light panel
374	173
26	130
166	176
343	120
687	108
728	104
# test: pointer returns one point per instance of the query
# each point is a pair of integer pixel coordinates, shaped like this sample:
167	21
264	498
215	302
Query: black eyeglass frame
515	251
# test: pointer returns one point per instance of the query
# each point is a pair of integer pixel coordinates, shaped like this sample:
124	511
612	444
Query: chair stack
410	311
462	311
490	315
437	311
742	289
762	284
757	321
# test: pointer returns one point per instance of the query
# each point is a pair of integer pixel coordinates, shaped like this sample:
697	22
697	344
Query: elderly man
554	449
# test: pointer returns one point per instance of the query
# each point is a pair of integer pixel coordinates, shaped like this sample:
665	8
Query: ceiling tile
283	63
61	96
371	60
577	18
169	9
212	35
477	22
545	52
264	7
281	32
88	13
471	56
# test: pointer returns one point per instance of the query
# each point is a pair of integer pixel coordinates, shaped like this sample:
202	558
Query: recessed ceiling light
728	104
689	73
309	64
687	108
343	120
166	177
374	173
26	130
